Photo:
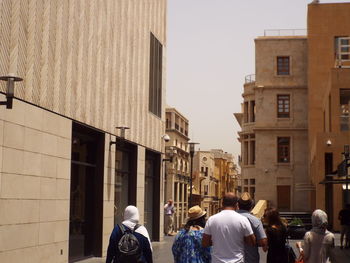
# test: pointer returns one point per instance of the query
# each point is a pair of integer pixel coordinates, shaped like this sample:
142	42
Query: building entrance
152	197
283	197
86	193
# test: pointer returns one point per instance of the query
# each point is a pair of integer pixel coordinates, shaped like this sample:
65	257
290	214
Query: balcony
284	32
249	79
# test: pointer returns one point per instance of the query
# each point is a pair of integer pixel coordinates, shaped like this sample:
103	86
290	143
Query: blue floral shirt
187	247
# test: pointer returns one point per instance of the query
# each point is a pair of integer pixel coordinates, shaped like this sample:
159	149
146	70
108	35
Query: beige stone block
25	255
18	211
49	166
1	132
48	253
108	208
49	145
18	236
61	231
48	188
13	135
47	210
108	225
20	186
108	192
62	209
62	250
105	242
32	163
51	122
33	117
33	140
16	114
12	161
64	147
0	162
46	233
63	189
65	129
63	168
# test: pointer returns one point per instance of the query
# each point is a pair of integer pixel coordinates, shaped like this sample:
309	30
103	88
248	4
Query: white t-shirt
227	230
169	209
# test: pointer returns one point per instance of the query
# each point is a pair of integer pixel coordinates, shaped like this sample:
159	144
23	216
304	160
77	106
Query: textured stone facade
284	183
86	64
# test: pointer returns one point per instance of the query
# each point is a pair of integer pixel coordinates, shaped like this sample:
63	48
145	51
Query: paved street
162	252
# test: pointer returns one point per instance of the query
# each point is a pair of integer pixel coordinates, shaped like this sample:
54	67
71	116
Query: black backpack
128	246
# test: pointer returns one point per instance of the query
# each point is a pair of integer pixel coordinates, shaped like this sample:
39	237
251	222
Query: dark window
344	109
252	111
342	48
283	150
155	77
283	106
282	65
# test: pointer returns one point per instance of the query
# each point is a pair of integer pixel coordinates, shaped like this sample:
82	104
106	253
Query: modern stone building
88	67
328	102
177	167
274	124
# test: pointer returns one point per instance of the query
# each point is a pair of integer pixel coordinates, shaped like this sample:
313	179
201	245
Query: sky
210	49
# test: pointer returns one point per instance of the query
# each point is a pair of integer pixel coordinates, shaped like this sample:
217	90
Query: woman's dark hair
195	222
272	217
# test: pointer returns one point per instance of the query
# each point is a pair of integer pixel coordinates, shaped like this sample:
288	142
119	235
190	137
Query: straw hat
245	199
195	212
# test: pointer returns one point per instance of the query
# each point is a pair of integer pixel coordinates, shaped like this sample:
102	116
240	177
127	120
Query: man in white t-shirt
227	232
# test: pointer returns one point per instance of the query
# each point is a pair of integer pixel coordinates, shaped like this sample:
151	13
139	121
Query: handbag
290	253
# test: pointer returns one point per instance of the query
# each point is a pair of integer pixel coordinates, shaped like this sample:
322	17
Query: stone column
140	187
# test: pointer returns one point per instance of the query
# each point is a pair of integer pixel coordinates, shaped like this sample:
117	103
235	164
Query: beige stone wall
35	152
87	60
267	127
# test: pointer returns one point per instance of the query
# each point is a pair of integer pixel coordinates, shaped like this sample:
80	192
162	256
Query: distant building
177	170
328	103
274	137
88	67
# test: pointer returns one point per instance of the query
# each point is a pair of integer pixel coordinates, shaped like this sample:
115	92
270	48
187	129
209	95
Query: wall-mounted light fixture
10	89
170	152
329	142
122	134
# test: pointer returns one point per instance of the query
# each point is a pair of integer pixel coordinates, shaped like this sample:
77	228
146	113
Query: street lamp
192	150
10	89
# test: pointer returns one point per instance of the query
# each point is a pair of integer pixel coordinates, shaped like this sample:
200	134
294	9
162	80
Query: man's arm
206	241
250	240
263	244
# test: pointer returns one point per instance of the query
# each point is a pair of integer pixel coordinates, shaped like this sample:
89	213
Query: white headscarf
131	218
319	221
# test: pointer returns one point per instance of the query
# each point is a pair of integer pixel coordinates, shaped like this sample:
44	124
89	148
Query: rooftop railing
250	78
285	32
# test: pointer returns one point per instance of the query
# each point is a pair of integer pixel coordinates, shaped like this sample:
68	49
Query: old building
225	172
177	168
328	102
205	185
67	173
274	124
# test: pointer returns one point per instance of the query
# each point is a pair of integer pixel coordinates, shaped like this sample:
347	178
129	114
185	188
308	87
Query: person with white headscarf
318	242
131	219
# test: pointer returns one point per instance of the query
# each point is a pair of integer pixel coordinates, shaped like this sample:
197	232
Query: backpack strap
122	229
136	227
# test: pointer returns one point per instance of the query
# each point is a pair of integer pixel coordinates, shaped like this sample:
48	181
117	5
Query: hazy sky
210	49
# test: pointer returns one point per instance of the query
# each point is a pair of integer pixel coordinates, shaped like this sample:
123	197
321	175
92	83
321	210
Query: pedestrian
344	217
130	225
187	247
318	242
251	253
169	211
227	232
276	233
